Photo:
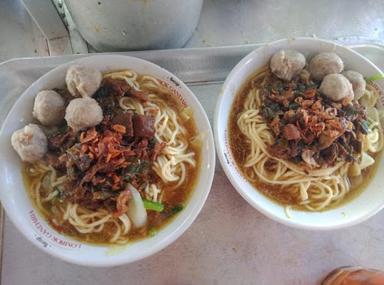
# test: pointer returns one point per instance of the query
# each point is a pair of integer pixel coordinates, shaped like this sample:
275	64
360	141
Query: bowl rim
220	146
183	225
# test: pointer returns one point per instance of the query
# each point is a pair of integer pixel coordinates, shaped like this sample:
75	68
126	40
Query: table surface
212	251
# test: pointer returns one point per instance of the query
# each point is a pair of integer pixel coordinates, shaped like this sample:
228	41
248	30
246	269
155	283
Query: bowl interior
369	202
18	205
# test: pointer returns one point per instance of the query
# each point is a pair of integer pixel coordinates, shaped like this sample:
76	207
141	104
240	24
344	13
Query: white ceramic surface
18	205
368	203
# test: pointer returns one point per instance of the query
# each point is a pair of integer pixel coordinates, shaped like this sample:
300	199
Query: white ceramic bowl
368	203
18	205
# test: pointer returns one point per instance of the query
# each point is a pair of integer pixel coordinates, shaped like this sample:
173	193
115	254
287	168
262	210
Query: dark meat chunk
118	88
291	132
143	126
330	154
107	103
308	137
142	149
356	145
54	161
279	151
83	162
115	87
65	140
294	148
125	119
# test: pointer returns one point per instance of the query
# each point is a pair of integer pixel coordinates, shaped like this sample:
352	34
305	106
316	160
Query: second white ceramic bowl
368	203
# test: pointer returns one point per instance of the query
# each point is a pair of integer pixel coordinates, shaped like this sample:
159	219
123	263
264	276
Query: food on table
49	108
325	63
307	141
30	143
82	113
358	82
336	87
287	63
83	80
120	165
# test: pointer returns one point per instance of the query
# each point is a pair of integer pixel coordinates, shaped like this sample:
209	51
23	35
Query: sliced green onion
153	206
152	232
177	209
375	77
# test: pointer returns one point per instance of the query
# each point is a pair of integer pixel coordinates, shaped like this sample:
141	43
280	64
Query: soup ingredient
366	161
375	77
285	64
307	128
369	99
82	113
306	142
358	83
143	126
336	87
153	206
82	80
325	63
105	161
30	143
136	209
49	108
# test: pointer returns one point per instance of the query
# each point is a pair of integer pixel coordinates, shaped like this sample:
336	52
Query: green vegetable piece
375	77
136	168
177	209
293	106
61	192
152	142
268	113
350	110
364	126
152	232
153	206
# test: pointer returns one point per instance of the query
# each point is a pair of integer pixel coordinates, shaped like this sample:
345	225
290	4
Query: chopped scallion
152	232
153	206
375	77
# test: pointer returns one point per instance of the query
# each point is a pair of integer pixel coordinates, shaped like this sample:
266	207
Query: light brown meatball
325	63
287	63
30	143
82	80
82	113
358	82
336	87
49	108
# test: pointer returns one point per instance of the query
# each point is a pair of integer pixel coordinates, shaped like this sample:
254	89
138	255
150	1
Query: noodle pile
171	165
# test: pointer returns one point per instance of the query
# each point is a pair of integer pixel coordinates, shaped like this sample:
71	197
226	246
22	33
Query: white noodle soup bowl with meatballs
131	134
298	132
